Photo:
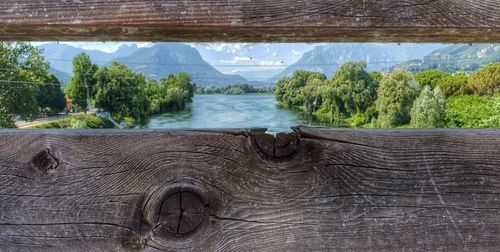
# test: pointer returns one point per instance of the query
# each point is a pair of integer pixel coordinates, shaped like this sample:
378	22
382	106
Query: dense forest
27	90
430	99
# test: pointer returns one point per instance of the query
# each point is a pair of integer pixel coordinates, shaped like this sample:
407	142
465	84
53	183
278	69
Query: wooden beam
242	190
252	20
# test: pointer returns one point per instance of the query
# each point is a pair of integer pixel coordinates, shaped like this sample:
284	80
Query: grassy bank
77	122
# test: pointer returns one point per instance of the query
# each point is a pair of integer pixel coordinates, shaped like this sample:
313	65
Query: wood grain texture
252	20
365	190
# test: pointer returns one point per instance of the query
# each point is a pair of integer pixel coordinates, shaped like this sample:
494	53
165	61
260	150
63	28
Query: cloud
232	48
236	60
108	47
295	52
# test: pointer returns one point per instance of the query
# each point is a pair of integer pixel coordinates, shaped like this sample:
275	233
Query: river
232	111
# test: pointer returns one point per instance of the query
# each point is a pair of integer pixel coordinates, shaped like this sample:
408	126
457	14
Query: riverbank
79	121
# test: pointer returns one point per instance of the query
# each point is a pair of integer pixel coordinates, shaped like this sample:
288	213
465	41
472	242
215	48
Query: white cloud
236	60
232	48
295	52
145	44
108	47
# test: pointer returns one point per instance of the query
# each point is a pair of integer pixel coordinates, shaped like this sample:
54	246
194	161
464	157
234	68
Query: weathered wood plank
252	20
233	191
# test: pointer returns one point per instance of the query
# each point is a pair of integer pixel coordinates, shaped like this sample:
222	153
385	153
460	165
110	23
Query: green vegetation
429	109
172	93
82	86
126	94
26	88
238	89
471	111
395	98
6	120
486	81
430	99
121	92
77	122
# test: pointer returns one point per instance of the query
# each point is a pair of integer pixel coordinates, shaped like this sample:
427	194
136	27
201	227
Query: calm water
232	111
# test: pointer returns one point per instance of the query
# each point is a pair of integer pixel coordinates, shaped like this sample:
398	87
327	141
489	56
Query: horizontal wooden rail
252	20
244	190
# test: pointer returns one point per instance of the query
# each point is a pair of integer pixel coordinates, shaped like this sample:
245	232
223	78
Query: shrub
6	120
471	111
78	122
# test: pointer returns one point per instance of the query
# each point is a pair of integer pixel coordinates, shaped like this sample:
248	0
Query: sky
228	57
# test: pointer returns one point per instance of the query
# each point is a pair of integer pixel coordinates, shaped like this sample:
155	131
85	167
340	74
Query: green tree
288	90
486	81
356	88
50	95
395	98
122	93
24	69
172	93
311	94
456	84
376	75
6	120
430	78
428	109
82	86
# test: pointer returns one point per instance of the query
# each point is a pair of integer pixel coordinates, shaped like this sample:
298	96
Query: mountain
163	59
257	75
156	62
61	56
328	58
63	77
455	58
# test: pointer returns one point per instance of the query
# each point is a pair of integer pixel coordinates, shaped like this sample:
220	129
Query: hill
328	58
455	58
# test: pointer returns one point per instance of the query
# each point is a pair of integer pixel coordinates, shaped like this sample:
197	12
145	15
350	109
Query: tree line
428	99
126	94
238	89
27	89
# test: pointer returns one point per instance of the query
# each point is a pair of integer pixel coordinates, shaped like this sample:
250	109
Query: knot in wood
44	161
281	145
182	213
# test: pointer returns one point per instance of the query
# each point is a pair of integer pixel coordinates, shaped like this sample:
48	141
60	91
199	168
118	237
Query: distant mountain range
162	59
155	62
456	58
328	58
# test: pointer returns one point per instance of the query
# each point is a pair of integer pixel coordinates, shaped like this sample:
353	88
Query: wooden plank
242	190
252	20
